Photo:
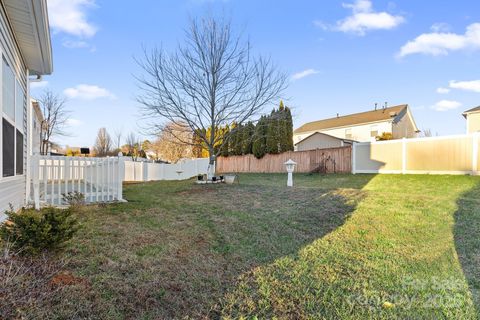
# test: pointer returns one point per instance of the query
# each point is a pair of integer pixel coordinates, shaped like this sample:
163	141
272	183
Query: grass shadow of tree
467	240
199	238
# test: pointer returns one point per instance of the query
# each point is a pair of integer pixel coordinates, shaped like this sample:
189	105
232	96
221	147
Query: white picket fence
182	170
98	179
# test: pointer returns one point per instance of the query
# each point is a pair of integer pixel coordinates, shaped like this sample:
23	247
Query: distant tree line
272	134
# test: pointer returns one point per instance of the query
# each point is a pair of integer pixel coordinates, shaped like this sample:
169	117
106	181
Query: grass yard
333	247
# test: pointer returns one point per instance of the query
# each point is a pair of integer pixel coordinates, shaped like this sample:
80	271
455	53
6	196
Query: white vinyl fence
98	179
184	169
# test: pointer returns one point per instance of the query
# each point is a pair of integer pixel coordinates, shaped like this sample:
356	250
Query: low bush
34	231
74	199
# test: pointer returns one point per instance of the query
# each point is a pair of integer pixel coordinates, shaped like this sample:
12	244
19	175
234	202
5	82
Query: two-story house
363	126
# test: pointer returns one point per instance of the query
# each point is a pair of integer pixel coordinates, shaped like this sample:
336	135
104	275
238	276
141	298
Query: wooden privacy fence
435	155
330	160
98	179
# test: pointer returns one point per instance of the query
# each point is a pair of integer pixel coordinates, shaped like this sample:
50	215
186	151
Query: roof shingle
353	119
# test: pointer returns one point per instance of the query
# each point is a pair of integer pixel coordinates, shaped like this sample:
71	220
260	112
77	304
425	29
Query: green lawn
333	247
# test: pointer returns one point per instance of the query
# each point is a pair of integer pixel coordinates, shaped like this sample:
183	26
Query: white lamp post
290	164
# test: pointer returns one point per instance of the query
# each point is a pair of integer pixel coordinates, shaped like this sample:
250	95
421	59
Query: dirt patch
66	278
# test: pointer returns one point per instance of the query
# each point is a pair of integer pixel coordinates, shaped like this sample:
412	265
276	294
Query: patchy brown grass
178	250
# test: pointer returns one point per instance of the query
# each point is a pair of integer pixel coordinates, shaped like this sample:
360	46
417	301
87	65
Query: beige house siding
473	122
318	141
404	128
360	133
13	189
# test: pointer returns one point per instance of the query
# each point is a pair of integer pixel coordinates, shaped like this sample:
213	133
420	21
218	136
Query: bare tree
103	143
133	146
427	133
167	147
55	118
117	136
210	82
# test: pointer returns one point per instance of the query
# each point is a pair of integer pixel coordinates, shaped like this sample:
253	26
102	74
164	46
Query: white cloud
38	84
363	19
441	43
73	122
440	27
70	16
73	44
473	85
303	74
445	105
443	90
88	92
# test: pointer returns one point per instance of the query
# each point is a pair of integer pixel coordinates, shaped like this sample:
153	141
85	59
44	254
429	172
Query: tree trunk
211	163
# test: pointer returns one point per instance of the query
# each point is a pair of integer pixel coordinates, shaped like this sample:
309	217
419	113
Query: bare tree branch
55	119
210	82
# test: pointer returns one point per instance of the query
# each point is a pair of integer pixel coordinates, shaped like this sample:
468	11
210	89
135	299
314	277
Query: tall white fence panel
184	169
98	179
457	154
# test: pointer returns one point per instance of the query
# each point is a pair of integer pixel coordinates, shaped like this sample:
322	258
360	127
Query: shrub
385	136
74	199
34	231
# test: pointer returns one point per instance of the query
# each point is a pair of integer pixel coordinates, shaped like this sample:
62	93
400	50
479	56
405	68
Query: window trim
12	122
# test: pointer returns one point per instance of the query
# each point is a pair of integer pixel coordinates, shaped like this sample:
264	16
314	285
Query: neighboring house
26	52
320	140
364	126
35	123
473	119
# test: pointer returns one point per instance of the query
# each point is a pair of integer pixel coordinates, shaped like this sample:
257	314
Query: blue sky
342	56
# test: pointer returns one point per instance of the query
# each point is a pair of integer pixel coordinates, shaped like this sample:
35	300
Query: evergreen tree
273	133
238	141
225	151
289	129
259	138
282	128
247	140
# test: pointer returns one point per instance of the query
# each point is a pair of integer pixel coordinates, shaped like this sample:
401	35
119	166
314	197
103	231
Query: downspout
28	166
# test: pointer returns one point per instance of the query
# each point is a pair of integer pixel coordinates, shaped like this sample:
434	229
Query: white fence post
36	181
404	155
144	171
354	160
121	176
475	153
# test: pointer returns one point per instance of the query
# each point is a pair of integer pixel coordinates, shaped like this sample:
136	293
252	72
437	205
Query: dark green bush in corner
33	231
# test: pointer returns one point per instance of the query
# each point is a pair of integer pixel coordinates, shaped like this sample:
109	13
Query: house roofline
325	134
347	126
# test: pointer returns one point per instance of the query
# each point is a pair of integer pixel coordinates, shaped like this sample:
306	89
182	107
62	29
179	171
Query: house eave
31	35
346	126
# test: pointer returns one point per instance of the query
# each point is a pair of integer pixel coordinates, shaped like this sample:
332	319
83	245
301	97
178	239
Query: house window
19	160
19	105
348	134
8	90
374	131
12	120
8	152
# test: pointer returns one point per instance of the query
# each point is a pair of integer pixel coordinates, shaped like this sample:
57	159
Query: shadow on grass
177	248
467	240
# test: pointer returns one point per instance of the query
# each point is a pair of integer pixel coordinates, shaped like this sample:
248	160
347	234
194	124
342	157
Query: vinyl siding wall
360	133
473	122
404	128
13	189
318	141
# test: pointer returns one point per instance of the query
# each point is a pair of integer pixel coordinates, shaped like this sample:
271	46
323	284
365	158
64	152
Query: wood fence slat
333	160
